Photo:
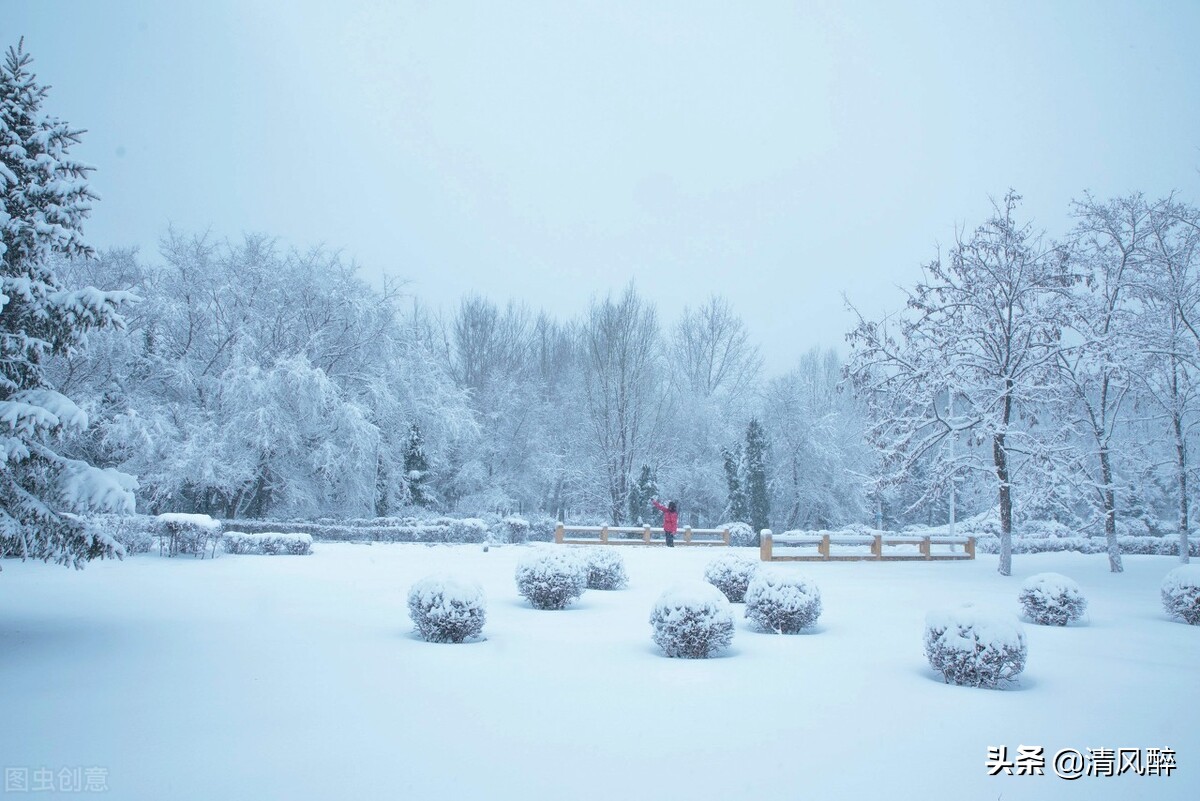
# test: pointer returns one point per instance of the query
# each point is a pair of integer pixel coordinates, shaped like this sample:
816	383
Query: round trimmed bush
605	569
447	609
731	575
974	648
782	602
1052	599
1181	593
740	534
551	577
693	621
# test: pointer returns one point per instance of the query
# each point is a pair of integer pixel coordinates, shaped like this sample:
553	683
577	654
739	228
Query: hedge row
1145	546
408	529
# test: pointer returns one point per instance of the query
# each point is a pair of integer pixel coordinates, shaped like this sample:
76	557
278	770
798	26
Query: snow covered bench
603	535
882	546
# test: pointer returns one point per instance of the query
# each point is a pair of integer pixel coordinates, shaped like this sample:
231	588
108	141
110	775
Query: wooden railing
603	535
881	547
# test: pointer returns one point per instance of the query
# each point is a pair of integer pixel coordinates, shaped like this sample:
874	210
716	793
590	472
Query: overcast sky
779	154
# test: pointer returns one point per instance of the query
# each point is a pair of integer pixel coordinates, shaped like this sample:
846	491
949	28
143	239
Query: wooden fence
882	547
603	535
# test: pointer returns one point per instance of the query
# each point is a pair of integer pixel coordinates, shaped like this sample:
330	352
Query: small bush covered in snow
188	533
974	648
781	601
514	529
693	621
447	609
269	543
1181	593
135	533
605	569
731	575
741	534
1052	599
551	577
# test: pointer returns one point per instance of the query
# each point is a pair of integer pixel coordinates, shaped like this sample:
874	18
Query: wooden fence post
823	548
725	536
925	548
604	533
687	535
646	534
764	545
877	546
970	547
558	533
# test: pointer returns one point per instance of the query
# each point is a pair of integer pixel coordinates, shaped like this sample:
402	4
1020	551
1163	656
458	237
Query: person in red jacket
670	514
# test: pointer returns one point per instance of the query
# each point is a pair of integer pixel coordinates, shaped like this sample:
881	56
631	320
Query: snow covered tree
645	488
758	502
624	390
983	338
736	507
1109	242
818	457
1168	336
44	198
416	467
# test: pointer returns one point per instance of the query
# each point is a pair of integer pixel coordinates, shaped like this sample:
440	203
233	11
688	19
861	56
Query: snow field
253	678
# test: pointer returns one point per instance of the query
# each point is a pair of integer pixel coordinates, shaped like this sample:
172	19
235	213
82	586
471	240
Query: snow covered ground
253	677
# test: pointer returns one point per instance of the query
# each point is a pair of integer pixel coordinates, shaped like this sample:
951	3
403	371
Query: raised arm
659	506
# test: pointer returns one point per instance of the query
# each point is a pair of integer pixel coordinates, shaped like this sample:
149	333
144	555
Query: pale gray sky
776	153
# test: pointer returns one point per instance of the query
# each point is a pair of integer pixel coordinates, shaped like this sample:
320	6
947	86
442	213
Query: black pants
670	538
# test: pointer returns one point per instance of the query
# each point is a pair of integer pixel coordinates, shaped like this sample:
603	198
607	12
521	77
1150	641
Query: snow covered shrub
447	609
692	620
541	529
514	529
1181	593
551	577
606	569
782	602
469	529
974	648
731	575
741	534
135	533
184	533
1052	599
269	543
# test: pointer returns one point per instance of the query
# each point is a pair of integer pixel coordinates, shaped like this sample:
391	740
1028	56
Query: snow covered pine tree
44	198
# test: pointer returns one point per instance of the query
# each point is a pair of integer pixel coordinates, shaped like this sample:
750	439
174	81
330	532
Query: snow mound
781	601
605	569
973	647
447	609
1052	599
731	575
551	577
693	621
1181	593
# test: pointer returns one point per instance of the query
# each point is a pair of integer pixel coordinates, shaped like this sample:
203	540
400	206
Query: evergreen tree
757	501
416	467
645	488
44	198
737	510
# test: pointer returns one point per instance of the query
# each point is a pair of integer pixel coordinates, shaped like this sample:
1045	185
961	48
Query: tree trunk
1000	455
1110	514
1181	459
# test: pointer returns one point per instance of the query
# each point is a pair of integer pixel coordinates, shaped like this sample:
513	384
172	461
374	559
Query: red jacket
670	519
